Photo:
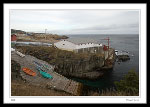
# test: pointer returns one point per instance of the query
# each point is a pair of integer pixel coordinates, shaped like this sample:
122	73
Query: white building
65	45
72	44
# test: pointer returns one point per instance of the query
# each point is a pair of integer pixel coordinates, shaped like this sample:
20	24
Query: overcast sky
76	21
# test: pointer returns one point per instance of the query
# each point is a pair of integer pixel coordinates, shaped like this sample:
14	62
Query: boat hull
29	71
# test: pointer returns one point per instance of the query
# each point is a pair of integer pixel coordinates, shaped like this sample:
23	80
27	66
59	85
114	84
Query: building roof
13	35
81	40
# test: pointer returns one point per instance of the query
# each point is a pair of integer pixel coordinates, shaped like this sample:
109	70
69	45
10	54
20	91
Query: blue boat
43	67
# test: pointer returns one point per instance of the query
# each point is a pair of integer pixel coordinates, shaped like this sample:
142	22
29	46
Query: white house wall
79	46
65	45
97	45
87	45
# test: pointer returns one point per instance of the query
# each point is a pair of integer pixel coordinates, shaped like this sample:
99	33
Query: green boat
44	74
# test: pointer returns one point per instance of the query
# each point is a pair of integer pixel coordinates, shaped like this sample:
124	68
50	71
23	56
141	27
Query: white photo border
76	99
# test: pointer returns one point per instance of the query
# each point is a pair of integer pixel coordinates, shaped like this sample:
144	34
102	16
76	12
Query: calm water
126	42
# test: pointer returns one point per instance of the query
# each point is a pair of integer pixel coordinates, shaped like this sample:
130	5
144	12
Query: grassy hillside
17	31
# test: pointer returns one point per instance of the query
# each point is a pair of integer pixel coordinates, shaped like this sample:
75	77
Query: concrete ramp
58	81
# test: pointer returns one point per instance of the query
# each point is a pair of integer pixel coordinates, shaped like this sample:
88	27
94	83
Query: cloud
110	27
75	21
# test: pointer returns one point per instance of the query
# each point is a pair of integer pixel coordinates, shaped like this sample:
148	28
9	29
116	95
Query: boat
29	71
43	67
44	74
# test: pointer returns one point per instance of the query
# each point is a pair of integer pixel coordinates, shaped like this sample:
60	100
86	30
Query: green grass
12	45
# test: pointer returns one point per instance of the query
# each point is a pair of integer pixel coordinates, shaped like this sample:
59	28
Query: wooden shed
13	37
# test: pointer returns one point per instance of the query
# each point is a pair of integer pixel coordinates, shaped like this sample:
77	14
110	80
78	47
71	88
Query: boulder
123	58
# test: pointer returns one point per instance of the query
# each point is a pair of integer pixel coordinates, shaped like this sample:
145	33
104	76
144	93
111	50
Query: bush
129	84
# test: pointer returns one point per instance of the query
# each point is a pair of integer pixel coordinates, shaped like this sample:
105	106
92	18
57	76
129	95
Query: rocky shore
123	58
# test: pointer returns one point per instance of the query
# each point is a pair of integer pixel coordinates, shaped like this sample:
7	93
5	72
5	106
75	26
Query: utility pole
108	46
108	43
45	33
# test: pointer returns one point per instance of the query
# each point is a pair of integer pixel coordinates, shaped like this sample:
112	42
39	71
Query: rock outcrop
123	58
67	63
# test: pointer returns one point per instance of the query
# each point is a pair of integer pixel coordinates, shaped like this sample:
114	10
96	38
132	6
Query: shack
13	37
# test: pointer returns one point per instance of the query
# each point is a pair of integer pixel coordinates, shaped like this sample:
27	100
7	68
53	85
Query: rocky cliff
67	63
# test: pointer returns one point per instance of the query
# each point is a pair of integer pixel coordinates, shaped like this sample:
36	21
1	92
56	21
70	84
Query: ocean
122	42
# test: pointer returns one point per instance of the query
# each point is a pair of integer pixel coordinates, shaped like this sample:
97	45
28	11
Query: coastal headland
69	64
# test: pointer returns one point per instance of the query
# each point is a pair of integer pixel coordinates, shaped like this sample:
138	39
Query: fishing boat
29	71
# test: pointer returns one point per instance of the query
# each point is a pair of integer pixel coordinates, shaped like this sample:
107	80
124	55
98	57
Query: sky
76	21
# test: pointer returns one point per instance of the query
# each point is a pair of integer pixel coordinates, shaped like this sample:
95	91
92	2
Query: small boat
29	71
44	74
43	67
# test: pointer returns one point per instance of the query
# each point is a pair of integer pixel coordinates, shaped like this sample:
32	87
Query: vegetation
17	31
128	86
48	36
54	56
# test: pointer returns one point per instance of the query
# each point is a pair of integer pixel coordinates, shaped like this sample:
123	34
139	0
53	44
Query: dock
58	82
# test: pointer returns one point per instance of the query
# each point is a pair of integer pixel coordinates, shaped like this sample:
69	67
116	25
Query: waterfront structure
76	45
13	37
32	44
